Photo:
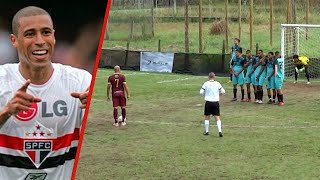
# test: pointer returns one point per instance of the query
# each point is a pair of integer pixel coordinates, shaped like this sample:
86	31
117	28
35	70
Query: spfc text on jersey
37	145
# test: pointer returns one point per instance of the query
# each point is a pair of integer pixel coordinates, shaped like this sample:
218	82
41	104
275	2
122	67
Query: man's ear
14	41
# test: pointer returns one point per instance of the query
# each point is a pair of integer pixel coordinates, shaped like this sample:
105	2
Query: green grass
163	138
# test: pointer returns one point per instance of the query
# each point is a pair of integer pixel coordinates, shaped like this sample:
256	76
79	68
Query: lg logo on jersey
59	108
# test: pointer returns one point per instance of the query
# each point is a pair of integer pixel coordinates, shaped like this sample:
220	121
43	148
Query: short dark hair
295	56
237	39
277	52
260	50
248	51
271	53
212	75
239	50
26	12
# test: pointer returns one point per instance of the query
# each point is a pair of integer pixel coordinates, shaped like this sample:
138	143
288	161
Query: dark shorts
118	99
212	108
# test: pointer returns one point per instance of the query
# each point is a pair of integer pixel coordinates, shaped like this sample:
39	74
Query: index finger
24	87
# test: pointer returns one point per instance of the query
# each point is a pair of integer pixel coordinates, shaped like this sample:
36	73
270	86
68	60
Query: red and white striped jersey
41	143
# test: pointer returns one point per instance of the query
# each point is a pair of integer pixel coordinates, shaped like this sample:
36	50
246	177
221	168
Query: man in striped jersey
212	90
42	104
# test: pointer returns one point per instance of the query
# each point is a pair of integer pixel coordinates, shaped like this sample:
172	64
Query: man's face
248	54
236	41
35	40
270	56
238	54
260	54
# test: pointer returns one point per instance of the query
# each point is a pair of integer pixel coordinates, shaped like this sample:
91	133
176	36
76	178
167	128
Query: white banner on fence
156	61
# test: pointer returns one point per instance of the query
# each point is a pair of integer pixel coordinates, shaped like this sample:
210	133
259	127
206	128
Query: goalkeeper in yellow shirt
301	63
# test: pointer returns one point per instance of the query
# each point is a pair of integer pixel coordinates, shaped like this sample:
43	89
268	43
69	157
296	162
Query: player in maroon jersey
119	86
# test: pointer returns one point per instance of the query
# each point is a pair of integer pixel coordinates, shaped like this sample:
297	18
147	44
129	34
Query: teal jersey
237	63
255	60
234	48
257	71
280	62
270	67
249	68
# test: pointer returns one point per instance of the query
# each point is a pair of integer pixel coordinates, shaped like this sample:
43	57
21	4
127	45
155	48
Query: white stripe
227	126
135	73
179	79
231	126
130	74
98	100
12	152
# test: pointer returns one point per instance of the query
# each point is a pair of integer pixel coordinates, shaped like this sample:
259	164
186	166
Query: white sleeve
86	81
203	88
221	90
85	77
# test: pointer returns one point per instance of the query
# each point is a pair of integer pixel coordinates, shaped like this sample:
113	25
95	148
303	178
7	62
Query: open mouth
40	52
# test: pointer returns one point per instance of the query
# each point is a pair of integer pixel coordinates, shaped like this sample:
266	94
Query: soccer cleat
308	82
281	103
270	101
206	133
294	82
229	81
220	134
123	123
233	99
116	124
260	102
243	100
256	101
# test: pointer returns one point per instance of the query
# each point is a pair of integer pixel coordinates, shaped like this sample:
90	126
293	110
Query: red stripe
58	143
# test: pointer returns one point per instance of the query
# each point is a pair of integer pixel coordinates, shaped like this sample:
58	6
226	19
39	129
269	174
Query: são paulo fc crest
29	114
37	150
38	143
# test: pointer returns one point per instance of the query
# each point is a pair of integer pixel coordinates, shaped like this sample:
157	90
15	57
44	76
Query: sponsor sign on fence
156	61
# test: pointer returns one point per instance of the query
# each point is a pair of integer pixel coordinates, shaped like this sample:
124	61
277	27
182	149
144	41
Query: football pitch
163	138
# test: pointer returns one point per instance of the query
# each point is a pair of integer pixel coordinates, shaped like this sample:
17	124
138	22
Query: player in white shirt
212	90
41	105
